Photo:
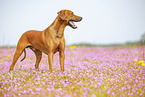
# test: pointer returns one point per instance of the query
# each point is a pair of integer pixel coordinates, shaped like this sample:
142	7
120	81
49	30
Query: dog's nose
81	18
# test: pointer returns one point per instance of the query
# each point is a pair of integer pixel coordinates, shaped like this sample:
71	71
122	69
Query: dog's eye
72	13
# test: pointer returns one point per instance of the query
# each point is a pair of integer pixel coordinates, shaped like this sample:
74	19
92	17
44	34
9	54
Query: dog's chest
53	44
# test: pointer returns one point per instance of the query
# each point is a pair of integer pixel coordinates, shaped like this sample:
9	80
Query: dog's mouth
72	24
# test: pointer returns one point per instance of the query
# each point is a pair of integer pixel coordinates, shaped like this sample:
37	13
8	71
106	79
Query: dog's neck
58	27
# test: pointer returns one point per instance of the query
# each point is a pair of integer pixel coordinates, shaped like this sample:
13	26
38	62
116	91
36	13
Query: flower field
89	72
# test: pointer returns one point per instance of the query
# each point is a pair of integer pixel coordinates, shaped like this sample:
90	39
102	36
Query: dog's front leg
61	58
50	59
61	54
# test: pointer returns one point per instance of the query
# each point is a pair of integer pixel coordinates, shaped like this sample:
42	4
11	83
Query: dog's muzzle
72	24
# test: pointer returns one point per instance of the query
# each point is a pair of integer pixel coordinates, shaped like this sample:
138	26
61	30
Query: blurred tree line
135	43
143	39
140	42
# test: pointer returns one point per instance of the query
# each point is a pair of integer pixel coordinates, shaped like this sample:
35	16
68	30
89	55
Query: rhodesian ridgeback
48	41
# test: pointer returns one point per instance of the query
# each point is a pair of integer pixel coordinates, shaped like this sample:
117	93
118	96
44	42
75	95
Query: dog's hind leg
17	54
38	54
22	44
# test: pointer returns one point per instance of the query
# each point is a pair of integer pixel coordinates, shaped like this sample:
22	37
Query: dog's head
69	16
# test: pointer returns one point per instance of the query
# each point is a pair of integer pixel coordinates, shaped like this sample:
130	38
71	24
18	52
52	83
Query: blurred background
104	21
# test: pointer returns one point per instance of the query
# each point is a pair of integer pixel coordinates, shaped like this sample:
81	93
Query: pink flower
38	89
48	89
99	83
95	86
108	92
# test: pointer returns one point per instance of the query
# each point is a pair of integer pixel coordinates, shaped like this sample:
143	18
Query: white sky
104	21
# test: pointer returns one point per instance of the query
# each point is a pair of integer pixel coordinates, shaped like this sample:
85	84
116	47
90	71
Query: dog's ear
62	14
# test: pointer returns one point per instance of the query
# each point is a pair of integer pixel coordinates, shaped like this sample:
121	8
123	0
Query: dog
48	41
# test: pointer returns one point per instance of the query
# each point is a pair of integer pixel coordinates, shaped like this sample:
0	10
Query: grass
89	72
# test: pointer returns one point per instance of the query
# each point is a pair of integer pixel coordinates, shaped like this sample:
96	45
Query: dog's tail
24	55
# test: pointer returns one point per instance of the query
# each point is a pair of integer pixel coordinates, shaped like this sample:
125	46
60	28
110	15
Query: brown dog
48	41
